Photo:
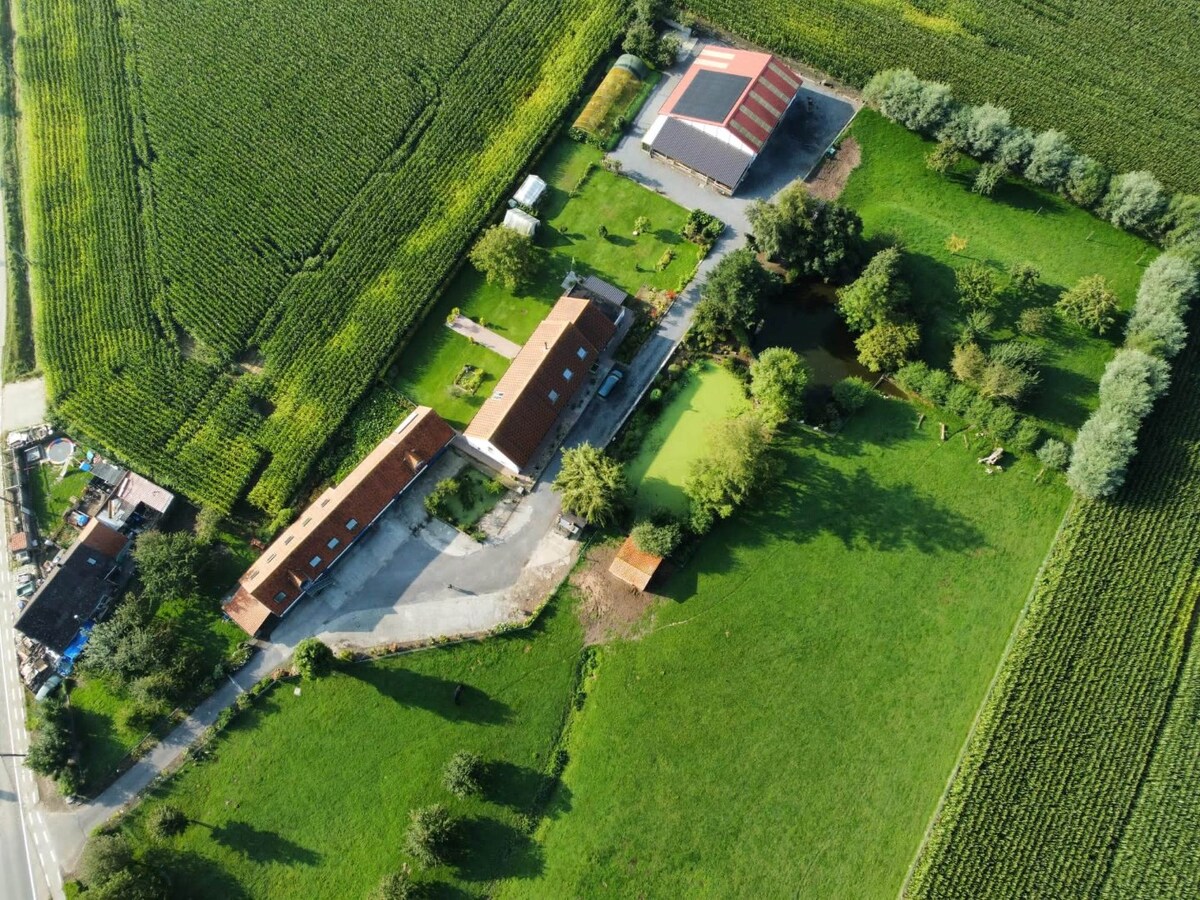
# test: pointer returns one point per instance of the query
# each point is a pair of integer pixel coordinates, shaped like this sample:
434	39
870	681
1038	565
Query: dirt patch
608	608
831	178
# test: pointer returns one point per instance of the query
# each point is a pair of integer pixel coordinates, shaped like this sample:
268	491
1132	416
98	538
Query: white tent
530	192
520	221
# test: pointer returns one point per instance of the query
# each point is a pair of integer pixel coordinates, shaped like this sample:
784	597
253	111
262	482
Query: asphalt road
23	837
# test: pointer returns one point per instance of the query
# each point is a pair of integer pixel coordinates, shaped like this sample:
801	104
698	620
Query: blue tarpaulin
67	663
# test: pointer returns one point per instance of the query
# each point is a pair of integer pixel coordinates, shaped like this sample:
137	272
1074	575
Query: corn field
240	209
1116	75
1081	780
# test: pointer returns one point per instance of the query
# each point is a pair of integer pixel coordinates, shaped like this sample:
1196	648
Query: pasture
308	795
897	194
1103	71
787	720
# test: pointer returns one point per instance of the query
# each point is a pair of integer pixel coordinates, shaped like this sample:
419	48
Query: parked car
610	382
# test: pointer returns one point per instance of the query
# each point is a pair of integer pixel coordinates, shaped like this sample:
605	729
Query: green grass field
895	193
790	737
309	795
580	197
679	436
52	498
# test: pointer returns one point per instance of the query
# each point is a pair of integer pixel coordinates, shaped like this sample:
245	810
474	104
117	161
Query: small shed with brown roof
634	566
311	545
541	382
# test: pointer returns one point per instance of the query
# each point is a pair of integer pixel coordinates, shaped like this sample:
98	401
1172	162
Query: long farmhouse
722	113
542	381
313	544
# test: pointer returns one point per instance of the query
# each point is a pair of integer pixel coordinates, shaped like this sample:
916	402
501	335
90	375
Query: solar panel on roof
711	96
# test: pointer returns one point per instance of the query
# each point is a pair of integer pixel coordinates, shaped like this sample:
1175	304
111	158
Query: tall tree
168	564
591	483
878	295
1091	304
732	297
734	465
504	256
777	381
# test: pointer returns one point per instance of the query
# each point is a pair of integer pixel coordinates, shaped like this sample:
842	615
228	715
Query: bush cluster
1135	377
998	419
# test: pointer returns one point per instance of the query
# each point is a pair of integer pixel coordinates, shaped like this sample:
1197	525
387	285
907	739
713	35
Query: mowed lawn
680	436
309	796
581	196
791	736
897	194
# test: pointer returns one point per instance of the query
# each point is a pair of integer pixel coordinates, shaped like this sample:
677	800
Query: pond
804	318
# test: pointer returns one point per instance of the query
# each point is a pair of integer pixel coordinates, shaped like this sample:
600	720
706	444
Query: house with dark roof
312	545
85	578
542	381
722	113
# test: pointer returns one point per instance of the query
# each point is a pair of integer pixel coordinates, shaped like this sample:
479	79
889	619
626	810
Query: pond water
804	318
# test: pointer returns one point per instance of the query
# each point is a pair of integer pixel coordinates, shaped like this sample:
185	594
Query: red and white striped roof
762	104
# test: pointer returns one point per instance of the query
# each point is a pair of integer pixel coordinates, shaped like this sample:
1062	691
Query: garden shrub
851	394
461	774
430	834
313	658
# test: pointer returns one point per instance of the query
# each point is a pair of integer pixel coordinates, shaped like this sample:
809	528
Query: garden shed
521	222
634	566
531	191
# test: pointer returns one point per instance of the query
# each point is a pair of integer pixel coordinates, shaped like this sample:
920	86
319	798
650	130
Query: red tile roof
247	612
326	528
634	566
543	379
18	542
101	538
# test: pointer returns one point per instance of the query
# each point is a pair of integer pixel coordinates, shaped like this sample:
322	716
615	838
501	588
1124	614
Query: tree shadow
262	846
436	695
524	789
188	874
1060	396
1021	195
491	849
620	240
667	236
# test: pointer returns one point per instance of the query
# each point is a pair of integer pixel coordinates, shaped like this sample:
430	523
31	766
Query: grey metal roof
633	64
702	153
711	96
598	287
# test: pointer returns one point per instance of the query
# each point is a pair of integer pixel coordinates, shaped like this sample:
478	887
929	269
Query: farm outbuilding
722	113
635	566
530	192
310	547
521	222
599	118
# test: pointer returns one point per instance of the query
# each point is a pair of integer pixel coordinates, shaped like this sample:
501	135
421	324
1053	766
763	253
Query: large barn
721	114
